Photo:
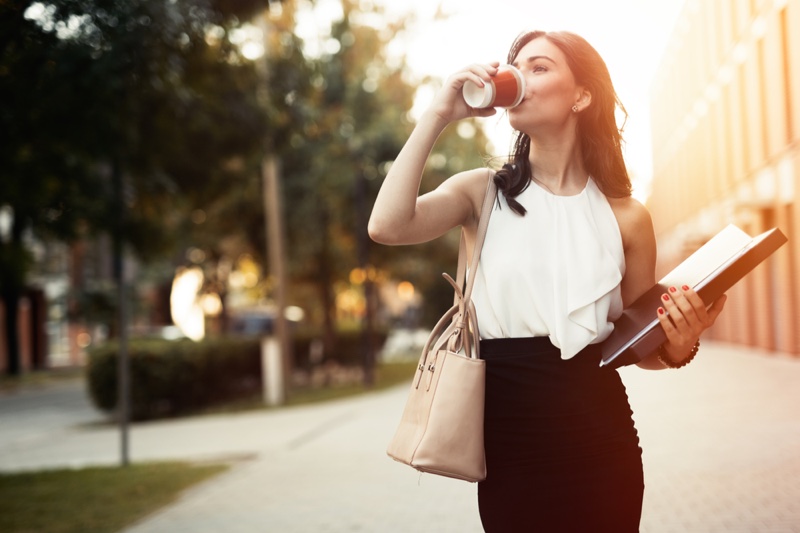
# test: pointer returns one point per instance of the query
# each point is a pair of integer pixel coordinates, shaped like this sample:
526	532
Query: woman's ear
584	98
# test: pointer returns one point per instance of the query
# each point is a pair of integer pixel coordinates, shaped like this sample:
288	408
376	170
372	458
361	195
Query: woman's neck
558	166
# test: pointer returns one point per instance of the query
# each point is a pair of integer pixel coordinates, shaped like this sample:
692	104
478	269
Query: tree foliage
155	95
148	92
350	116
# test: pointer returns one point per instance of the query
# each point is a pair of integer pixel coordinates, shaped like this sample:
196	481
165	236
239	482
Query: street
721	442
40	413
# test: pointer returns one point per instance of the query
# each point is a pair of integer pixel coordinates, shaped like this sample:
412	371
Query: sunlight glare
631	35
445	36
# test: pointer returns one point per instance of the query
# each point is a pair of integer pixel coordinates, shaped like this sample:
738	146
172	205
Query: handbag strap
480	237
464	319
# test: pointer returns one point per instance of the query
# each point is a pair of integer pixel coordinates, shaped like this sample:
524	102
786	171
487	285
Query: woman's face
550	88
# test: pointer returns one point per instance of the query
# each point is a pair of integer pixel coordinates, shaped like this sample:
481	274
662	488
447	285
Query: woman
566	250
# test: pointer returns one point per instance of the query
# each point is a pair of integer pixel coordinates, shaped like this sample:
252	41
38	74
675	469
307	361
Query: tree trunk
367	325
13	262
38	333
325	285
11	297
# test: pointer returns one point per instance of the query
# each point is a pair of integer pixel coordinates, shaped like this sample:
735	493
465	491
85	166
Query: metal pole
123	370
273	219
123	363
276	251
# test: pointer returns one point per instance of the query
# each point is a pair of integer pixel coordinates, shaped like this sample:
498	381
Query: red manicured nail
665	297
660	310
685	287
673	289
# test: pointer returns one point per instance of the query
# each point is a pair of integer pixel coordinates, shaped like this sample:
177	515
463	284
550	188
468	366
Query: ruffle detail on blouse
589	273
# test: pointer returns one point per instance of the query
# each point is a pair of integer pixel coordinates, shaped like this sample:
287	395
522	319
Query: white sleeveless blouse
554	272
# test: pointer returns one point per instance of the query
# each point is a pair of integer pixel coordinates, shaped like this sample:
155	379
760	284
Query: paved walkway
721	442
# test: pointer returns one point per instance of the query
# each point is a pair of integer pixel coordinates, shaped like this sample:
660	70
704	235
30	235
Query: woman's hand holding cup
450	104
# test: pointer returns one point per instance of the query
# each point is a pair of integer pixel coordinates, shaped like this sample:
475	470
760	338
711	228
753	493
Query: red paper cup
506	89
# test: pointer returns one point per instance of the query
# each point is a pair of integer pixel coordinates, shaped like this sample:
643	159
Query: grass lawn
95	500
40	378
386	375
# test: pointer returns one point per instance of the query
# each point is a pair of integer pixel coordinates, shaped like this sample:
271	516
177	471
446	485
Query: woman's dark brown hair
599	138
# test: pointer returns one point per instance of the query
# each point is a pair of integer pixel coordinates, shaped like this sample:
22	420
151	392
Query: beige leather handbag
441	430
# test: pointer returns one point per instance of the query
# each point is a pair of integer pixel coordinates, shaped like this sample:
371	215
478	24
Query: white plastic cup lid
482	97
478	97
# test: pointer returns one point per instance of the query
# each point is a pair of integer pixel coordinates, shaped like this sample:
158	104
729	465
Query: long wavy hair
599	138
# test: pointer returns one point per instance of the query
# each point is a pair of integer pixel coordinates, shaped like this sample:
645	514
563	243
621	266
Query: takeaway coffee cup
505	90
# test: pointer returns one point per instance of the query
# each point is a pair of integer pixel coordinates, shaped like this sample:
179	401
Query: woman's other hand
684	317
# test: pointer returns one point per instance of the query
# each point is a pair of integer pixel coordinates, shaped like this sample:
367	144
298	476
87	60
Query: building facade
725	108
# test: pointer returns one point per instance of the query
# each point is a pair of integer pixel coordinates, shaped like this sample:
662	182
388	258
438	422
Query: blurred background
202	171
184	193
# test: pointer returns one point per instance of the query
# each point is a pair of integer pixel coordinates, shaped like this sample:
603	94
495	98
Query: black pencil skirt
562	453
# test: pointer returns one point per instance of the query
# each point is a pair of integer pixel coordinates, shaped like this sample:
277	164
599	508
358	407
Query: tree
349	118
153	96
148	95
42	177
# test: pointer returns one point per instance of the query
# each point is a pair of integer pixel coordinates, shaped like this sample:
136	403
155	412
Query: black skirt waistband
515	346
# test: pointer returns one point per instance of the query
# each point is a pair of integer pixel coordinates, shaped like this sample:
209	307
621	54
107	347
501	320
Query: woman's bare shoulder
633	219
629	207
471	184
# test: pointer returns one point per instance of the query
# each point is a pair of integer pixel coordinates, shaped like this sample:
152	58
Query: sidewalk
721	442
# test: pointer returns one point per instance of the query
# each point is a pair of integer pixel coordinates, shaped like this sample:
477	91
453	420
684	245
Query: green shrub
172	377
177	377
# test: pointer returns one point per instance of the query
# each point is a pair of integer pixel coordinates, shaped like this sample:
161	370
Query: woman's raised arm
400	215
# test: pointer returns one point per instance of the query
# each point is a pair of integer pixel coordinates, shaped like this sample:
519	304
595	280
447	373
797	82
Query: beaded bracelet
669	363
